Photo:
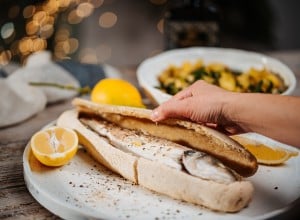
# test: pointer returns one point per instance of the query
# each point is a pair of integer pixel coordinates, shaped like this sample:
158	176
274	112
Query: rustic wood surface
15	200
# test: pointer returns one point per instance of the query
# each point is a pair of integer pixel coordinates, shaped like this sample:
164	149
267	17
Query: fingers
171	109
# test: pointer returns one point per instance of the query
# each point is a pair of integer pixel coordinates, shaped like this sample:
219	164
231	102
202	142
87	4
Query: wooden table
15	199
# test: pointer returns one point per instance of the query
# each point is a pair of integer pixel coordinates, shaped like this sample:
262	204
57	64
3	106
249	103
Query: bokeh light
108	20
88	55
28	11
73	17
160	26
5	57
7	30
84	9
31	27
63	3
96	3
51	6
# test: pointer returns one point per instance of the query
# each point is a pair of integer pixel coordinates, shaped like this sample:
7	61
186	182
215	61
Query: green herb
199	73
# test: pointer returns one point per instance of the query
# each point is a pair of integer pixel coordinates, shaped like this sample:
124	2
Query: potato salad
175	78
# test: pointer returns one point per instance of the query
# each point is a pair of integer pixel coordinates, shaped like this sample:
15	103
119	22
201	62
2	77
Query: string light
41	24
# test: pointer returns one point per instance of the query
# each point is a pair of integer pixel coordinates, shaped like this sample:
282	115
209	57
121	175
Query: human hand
202	103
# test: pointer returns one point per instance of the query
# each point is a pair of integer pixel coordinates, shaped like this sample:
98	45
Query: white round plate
84	189
235	59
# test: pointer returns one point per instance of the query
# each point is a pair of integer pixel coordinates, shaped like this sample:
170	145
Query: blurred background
124	33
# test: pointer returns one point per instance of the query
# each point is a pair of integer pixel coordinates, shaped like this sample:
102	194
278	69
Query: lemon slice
116	92
268	155
54	146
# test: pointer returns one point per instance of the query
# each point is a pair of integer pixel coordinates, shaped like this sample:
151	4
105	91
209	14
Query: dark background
257	25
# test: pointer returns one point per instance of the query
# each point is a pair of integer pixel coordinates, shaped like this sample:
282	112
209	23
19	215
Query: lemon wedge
267	155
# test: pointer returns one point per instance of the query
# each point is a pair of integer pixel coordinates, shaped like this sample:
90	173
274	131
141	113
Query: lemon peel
116	92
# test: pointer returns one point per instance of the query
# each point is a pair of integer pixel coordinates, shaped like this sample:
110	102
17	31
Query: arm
275	116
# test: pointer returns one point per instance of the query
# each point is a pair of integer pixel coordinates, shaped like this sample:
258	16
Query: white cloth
19	100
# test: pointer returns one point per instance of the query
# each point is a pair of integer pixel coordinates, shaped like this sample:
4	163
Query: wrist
234	106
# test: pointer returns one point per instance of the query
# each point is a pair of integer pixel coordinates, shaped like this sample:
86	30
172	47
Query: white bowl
241	60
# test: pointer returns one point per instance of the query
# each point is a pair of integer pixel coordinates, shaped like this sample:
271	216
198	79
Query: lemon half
54	146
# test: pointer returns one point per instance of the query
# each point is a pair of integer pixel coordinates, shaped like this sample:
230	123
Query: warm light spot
39	44
5	57
89	58
97	3
28	11
108	20
51	6
158	2
7	30
59	54
64	3
26	46
73	42
88	55
50	20
66	46
40	17
160	26
62	34
31	27
84	9
103	52
59	47
46	31
73	18
13	12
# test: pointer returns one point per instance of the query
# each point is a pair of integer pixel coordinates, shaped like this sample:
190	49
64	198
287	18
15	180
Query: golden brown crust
194	135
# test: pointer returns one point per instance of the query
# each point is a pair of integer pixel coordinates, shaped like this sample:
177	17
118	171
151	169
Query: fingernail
154	115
